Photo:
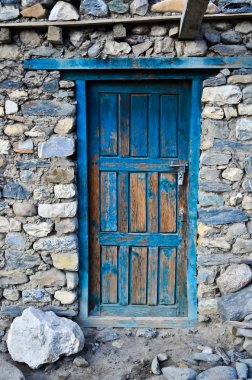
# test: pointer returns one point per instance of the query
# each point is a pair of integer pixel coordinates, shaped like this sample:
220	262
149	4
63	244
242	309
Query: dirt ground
129	357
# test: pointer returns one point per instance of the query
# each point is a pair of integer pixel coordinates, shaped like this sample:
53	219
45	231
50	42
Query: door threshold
156	322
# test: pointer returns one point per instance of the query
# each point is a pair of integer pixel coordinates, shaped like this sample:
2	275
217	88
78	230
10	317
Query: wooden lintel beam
192	18
113	21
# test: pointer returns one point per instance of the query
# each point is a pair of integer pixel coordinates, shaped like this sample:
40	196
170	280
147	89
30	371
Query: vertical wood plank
124	117
123	202
168	202
153	125
109	274
138	202
168	126
152	202
139	275
139	125
167	275
108	124
108	201
124	275
93	200
152	275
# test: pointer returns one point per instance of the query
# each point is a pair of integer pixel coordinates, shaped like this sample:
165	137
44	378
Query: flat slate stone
215	259
222	216
235	306
13	85
221	373
30	164
47	108
229	50
96	8
15	191
16	311
216	186
18	259
228	145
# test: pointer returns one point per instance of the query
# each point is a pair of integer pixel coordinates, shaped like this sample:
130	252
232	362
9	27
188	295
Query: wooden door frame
83	70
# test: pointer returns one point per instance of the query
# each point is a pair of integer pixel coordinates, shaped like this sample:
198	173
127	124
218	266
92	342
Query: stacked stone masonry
38	203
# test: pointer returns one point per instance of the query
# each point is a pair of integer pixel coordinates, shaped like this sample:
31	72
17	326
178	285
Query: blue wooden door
137	182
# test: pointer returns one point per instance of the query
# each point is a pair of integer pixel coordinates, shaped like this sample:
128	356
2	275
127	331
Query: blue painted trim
82	194
137	63
194	156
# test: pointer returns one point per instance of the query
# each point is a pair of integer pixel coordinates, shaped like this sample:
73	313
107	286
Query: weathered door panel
138	152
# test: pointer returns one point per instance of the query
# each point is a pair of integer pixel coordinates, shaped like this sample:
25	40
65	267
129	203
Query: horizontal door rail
141	164
139	239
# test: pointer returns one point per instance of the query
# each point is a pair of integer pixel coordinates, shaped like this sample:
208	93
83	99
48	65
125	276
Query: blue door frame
83	70
194	141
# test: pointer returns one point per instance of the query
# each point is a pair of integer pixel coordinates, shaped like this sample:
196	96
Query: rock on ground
234	278
9	371
174	373
38	337
235	306
221	373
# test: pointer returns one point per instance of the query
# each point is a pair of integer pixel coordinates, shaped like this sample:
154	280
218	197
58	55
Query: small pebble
80	362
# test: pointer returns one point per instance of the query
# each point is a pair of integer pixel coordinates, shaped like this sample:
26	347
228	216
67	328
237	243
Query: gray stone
233	174
220	372
228	94
247	185
141	48
119	32
15	240
9	51
15	191
242	246
24	209
12	277
229	50
216	186
11	294
66	226
35	295
212	36
248	165
235	306
215	158
146	333
191	48
247	94
63	11
65	297
44	51
116	48
38	230
4	225
96	8
222	216
55	35
244	27
244	129
214	81
47	108
51	86
66	260
215	259
58	210
205	357
76	37
68	242
30	38
8	13
49	278
210	200
72	280
242	370
139	7
9	371
231	37
20	259
95	50
118	6
5	35
236	277
60	175
176	373
37	338
207	276
56	146
107	335
32	163
158	31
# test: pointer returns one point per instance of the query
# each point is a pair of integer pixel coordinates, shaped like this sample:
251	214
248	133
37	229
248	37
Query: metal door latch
181	174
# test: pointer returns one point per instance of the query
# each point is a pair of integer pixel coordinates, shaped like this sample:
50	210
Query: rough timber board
192	18
137	63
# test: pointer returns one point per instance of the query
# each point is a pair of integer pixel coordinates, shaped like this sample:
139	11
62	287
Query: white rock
232	174
10	107
11	294
116	48
72	280
234	278
244	129
245	109
4	225
63	11
65	297
221	95
58	210
37	338
65	191
247	203
211	112
38	230
4	146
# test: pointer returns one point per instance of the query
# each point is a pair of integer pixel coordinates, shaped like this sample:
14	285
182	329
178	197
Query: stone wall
38	225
